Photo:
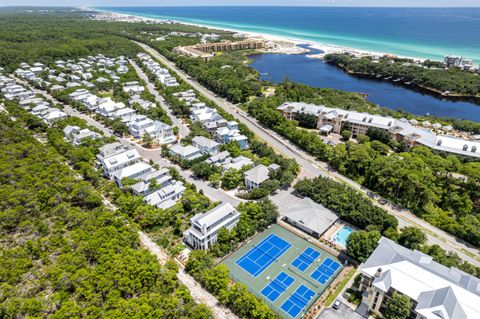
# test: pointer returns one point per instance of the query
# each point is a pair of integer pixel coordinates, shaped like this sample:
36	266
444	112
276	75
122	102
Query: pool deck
328	235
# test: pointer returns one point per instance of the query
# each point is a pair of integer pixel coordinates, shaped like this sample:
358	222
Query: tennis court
305	259
297	301
262	255
325	271
277	286
277	266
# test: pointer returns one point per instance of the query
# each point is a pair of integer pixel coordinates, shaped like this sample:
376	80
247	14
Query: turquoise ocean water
416	32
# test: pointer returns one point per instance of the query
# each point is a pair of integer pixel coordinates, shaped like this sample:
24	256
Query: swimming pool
340	237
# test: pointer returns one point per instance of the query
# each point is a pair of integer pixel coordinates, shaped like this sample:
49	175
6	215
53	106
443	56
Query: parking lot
343	312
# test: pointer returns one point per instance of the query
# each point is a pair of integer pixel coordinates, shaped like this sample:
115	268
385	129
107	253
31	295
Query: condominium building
333	120
206	51
204	227
436	291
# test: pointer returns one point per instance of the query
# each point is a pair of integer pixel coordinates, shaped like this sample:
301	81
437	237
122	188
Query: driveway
343	312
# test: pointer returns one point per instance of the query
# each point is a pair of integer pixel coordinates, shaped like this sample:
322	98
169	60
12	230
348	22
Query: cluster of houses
69	74
157	187
223	131
461	62
411	132
27	99
160	73
138	124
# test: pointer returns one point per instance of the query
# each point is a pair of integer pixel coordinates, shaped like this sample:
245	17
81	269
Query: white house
152	181
118	161
204	227
185	152
167	196
256	176
132	171
237	163
54	115
206	145
77	135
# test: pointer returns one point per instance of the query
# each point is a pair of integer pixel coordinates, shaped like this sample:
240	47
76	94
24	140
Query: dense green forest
454	80
64	255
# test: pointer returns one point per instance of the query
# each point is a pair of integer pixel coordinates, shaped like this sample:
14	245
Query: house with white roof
436	291
77	135
119	160
219	158
161	132
167	196
231	133
237	163
204	114
205	227
133	88
151	181
188	152
132	171
206	145
54	115
256	176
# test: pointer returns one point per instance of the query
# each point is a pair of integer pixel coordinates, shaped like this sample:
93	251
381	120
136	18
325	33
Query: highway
312	167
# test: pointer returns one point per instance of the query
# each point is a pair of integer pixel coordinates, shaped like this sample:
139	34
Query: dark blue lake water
314	72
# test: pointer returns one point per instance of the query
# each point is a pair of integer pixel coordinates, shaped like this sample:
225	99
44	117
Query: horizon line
240	5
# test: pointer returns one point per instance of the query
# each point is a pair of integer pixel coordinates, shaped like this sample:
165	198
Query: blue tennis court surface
305	259
297	301
277	286
326	270
263	255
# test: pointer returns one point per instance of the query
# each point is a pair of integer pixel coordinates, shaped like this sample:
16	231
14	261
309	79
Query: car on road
336	304
383	201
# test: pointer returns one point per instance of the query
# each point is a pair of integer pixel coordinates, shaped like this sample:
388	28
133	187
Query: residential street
312	167
183	129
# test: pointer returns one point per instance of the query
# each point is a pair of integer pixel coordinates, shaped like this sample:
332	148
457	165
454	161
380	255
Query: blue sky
395	3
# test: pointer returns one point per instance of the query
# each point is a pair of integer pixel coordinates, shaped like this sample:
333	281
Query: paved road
214	194
183	129
312	167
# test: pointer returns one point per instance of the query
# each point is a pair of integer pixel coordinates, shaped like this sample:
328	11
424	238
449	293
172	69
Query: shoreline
324	47
421	88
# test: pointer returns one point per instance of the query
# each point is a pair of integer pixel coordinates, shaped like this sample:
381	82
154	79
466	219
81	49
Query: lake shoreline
413	86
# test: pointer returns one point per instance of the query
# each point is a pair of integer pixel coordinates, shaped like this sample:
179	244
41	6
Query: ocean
415	32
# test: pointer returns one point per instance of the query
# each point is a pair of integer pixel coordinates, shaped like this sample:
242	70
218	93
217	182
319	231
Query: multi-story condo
204	227
333	120
436	291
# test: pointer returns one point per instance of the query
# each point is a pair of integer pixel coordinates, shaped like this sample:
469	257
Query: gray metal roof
312	215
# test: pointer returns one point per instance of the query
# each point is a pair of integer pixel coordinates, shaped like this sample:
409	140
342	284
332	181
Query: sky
371	3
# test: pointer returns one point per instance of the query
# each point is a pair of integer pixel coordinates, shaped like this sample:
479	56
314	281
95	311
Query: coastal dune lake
415	32
302	69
